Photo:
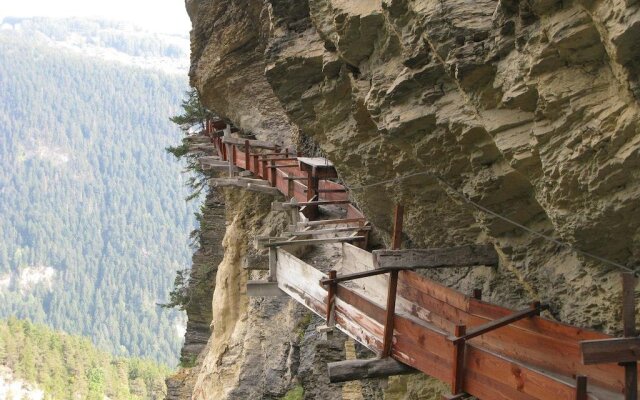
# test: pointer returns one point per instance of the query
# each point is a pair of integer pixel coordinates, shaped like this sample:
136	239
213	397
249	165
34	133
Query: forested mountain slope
93	221
63	367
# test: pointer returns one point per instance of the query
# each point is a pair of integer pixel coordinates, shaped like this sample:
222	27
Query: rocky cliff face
528	108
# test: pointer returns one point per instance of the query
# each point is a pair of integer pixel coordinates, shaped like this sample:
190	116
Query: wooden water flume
411	322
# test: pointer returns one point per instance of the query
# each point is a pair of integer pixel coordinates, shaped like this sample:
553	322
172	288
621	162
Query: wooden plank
516	380
437	258
488	376
264	289
353	212
331	230
450	297
253	143
312	241
319	162
554	329
315	203
332	222
498	323
618	350
273	165
351	370
237	182
543	343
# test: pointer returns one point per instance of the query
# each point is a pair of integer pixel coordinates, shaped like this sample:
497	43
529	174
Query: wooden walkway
478	348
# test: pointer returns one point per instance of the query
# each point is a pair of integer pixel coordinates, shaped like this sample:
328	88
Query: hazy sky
157	15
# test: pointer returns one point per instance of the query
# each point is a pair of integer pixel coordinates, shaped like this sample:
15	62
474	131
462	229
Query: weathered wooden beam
281	158
332	222
351	370
311	241
253	143
264	289
330	230
436	258
618	350
310	203
275	166
328	190
280	154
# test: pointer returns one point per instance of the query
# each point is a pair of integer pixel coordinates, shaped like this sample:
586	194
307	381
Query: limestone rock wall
201	285
529	108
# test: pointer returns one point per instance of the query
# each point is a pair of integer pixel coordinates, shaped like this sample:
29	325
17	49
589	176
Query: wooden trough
477	348
533	358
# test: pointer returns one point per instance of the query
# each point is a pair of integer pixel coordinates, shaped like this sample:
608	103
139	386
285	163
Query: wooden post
624	351
247	155
390	315
457	374
229	157
234	154
393	286
274	173
273	263
312	191
310	187
331	298
256	165
396	239
291	194
581	387
629	329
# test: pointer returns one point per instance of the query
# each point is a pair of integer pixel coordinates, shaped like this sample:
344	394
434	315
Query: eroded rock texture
529	108
202	280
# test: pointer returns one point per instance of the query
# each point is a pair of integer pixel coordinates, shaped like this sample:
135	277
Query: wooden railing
478	348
